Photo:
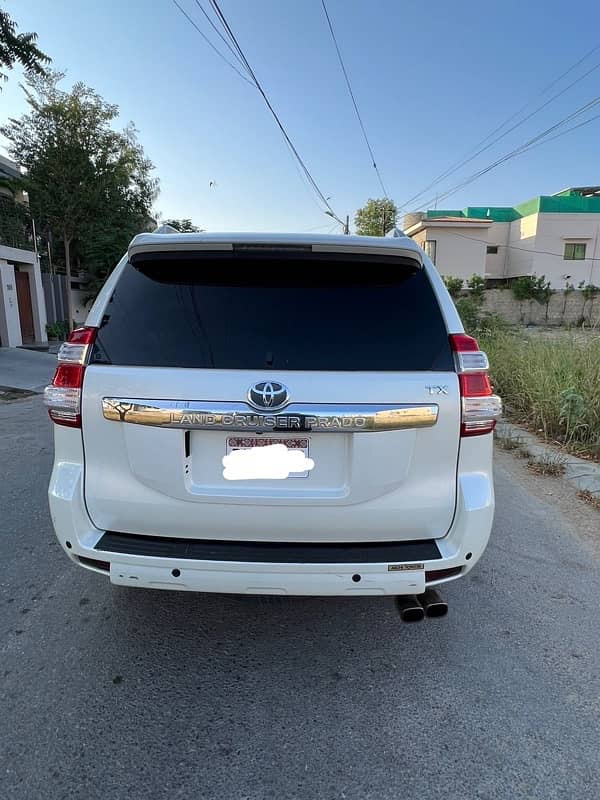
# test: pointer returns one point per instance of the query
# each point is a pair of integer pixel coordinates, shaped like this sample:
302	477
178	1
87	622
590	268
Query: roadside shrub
454	286
476	284
51	330
572	412
58	329
550	384
480	323
492	324
468	310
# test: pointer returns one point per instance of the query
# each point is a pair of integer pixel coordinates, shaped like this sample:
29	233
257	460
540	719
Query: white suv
274	414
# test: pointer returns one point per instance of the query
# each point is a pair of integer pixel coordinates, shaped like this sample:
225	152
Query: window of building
492	249
574	251
431	249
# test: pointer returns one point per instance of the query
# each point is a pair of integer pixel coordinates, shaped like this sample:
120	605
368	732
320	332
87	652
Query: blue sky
431	80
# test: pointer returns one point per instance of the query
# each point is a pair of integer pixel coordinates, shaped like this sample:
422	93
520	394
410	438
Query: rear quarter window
287	313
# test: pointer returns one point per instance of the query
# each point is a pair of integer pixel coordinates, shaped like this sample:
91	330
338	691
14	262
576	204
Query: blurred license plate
247	442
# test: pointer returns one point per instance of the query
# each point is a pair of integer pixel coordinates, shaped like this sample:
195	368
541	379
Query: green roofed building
553	235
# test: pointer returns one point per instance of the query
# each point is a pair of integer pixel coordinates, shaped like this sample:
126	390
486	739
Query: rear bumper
460	549
256	578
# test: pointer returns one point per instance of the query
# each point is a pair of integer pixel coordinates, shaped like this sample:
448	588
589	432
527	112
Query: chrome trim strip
238	417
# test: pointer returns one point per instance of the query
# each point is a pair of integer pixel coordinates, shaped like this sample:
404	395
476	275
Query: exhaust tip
409	608
415	614
433	604
437	609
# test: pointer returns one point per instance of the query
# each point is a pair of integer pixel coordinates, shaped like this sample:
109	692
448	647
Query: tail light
480	406
63	396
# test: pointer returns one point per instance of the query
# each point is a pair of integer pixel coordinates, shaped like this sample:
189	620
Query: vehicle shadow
283	631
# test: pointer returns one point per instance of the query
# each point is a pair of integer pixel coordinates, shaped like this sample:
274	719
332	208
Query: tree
15	223
523	290
125	211
183	225
531	288
569	289
544	293
589	292
376	218
19	48
89	185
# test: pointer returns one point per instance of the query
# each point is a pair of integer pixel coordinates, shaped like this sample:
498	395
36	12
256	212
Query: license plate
248	442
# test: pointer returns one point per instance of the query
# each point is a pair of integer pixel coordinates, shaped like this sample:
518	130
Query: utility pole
345	225
383	222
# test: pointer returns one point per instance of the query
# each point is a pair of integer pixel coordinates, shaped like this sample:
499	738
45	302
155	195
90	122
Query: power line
534	141
218	32
547	88
280	125
353	98
564	133
303	180
209	43
479	150
513	153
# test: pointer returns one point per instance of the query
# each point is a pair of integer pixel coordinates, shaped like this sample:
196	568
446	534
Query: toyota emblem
268	394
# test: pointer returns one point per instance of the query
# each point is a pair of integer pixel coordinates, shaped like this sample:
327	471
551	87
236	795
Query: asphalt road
115	693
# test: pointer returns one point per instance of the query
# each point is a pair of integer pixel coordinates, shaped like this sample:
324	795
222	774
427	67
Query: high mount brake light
480	406
63	396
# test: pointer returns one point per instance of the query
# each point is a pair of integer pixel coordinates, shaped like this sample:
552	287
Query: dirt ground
584	519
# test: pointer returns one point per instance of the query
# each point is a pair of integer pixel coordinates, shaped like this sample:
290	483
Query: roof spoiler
179	245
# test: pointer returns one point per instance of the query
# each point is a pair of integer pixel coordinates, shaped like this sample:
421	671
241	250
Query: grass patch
507	441
552	464
551	385
590	498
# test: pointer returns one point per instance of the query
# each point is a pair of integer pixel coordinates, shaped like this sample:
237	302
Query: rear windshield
311	314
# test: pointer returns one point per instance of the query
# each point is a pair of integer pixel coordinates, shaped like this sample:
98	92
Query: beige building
557	236
22	302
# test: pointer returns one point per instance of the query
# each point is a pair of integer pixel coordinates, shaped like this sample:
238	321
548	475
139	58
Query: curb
584	475
9	393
